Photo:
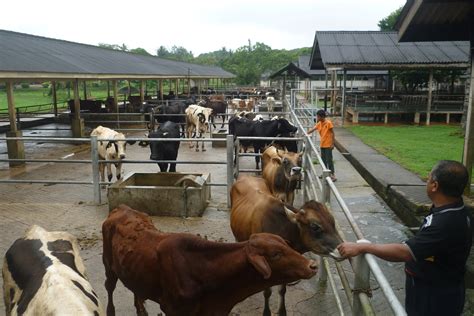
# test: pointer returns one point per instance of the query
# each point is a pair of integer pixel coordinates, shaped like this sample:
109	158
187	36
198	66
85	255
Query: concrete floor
71	208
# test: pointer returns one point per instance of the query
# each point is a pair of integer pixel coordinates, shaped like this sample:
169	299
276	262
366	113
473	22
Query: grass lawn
416	148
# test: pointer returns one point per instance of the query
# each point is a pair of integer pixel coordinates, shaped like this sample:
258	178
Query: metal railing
363	265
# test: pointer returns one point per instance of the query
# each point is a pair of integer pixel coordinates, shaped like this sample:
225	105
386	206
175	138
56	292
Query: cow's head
290	162
203	118
317	228
285	127
274	259
116	148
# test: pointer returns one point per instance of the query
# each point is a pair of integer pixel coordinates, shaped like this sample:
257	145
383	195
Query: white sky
198	25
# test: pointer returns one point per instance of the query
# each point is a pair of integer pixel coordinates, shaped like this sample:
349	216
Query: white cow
43	274
111	149
197	120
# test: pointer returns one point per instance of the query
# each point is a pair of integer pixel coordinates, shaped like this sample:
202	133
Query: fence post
237	150
326	190
95	169
18	121
230	165
361	281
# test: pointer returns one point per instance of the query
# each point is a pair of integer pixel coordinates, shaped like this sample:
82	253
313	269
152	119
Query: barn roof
302	69
428	20
29	56
381	50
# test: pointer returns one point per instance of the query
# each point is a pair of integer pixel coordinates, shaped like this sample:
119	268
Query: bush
45	85
25	85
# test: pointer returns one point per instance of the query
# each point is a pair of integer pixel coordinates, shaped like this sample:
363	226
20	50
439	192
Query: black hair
452	177
321	113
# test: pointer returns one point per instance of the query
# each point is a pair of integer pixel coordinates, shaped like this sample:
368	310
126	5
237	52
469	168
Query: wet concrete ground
71	208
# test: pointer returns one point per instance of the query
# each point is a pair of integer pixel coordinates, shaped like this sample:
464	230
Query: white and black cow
197	119
111	149
43	274
165	150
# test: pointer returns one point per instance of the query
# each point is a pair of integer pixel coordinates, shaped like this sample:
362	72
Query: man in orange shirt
326	132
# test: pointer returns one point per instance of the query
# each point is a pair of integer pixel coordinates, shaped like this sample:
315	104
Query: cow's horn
290	214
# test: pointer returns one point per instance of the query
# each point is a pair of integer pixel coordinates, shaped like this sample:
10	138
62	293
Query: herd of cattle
184	273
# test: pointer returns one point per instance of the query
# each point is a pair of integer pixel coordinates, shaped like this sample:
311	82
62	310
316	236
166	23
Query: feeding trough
220	133
163	193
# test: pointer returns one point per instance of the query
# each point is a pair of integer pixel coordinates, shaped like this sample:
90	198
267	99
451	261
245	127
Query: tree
388	23
140	51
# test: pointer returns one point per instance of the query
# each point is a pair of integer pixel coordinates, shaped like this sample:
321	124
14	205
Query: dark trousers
433	300
326	155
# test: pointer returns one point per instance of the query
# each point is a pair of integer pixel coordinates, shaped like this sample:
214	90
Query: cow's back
251	201
129	249
43	274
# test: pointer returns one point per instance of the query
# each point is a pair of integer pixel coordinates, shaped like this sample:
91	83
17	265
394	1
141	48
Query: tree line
248	62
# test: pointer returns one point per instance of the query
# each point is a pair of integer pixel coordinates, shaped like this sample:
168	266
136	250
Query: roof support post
115	93
326	89
343	107
430	97
176	86
55	98
161	89
77	123
16	148
11	106
468	151
142	90
108	89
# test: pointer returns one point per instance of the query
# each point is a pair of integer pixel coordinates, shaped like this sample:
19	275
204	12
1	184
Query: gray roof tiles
352	49
34	54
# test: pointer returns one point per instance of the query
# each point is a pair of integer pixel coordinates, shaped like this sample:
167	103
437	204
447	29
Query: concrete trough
220	133
163	193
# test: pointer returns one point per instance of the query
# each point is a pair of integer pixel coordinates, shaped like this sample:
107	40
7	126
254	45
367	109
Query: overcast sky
198	25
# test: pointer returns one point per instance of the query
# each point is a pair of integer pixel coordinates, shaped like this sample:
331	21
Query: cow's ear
258	261
290	214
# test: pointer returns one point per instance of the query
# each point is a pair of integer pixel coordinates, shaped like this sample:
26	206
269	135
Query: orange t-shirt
326	132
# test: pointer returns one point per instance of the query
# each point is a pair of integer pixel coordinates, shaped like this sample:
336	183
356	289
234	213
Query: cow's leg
140	306
172	167
197	141
189	131
118	170
257	158
282	308
109	171
266	294
110	284
102	172
223	121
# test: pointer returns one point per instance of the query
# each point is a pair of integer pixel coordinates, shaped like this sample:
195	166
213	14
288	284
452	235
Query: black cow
241	126
269	128
165	150
174	107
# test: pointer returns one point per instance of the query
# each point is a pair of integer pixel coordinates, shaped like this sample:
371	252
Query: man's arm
389	252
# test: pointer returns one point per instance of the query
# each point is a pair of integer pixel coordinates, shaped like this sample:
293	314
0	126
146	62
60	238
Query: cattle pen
68	179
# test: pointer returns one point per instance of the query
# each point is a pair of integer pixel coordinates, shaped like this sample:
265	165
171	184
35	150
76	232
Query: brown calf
188	275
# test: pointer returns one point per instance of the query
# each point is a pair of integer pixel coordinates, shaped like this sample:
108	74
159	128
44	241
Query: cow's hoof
204	149
118	177
197	149
109	177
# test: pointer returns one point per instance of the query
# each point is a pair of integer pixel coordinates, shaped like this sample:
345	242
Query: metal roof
381	50
302	69
429	20
29	56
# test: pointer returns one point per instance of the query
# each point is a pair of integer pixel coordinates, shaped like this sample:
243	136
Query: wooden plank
11	106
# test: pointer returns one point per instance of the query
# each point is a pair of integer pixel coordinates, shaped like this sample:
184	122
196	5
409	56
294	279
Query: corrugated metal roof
374	49
24	53
440	20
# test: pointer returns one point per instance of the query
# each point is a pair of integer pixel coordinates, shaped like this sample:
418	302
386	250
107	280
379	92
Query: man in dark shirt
436	256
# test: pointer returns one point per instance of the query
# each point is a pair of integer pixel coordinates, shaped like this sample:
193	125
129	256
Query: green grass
416	148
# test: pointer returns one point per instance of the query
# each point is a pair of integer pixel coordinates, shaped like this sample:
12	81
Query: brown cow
281	171
256	210
188	275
